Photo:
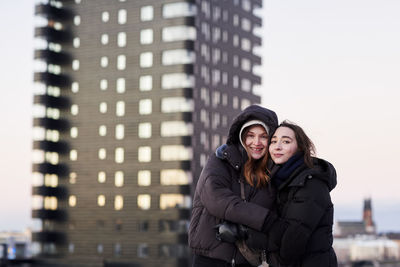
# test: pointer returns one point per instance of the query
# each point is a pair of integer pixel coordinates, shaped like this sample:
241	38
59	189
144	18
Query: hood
253	112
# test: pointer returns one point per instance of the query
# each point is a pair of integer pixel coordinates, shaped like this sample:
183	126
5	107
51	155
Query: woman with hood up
233	186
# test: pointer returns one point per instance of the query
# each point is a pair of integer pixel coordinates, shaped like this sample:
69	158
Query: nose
257	140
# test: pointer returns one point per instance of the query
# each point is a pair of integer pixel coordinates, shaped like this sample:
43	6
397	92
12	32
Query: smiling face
256	141
283	145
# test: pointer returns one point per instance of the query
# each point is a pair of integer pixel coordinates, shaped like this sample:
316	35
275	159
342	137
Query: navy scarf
287	168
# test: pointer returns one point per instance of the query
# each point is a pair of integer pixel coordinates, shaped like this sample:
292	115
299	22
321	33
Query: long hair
304	143
255	171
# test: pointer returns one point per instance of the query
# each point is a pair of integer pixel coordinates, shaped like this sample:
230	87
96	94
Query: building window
176	128
50	203
177	80
246	85
121	85
176	104
175	152
143	226
121	39
118	202
75	64
144	178
72	201
120	109
76	42
246	24
144	130
117	249
146	83
101	177
103	107
119	131
73	155
51	180
122	16
246	44
105	16
144	201
144	154
146	13
168	201
178	56
180	9
119	155
102	130
178	33
145	106
121	62
74	109
71	248
119	178
104	62
175	177
143	250
100	248
75	87
103	84
245	103
102	153
74	132
101	200
72	178
235	102
146	36
104	39
146	60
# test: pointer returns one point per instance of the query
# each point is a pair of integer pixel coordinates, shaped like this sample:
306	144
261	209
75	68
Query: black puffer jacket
305	205
217	195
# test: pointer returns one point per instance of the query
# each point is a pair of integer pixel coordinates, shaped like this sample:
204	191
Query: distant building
15	245
353	228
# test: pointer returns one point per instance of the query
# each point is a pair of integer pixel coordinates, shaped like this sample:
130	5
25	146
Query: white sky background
333	67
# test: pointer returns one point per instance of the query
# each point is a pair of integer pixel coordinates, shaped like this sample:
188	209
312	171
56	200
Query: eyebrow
285	136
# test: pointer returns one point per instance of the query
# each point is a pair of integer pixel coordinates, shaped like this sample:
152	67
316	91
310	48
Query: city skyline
341	56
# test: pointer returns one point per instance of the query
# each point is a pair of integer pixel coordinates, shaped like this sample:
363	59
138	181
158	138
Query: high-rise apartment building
131	96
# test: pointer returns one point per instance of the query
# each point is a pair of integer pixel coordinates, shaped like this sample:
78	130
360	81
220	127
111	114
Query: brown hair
304	143
255	171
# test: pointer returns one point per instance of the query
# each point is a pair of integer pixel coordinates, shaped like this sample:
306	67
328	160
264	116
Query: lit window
104	62
118	202
177	80
101	177
74	132
76	42
100	248
146	13
145	106
102	153
105	16
75	64
77	20
146	83
74	109
104	39
73	155
246	85
119	155
146	36
245	103
102	130
75	87
50	203
175	152
144	130
122	15
101	200
120	108
246	44
168	201
175	177
144	201
119	178
103	107
144	154
144	178
178	56
72	201
121	62
71	248
246	64
120	85
51	180
103	84
176	104
72	177
246	24
246	5
119	131
178	33
181	9
121	39
235	102
37	179
176	128
146	59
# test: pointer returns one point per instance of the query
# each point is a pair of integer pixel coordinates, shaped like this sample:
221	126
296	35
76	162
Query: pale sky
330	66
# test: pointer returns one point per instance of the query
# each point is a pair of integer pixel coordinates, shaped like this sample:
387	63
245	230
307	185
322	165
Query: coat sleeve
307	207
220	201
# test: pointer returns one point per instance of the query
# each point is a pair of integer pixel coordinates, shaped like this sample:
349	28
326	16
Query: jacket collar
235	155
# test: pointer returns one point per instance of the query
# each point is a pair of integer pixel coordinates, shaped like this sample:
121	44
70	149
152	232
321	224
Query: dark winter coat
304	203
217	196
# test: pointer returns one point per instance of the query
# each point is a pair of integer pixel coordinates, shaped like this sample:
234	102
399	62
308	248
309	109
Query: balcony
52	35
51	57
58	192
58	80
59	147
61	124
49	237
53	13
59	169
55	215
52	102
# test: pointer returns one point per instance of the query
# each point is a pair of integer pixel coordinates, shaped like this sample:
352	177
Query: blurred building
130	98
15	245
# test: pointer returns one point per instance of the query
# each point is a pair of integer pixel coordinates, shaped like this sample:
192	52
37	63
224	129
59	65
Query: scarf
286	169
